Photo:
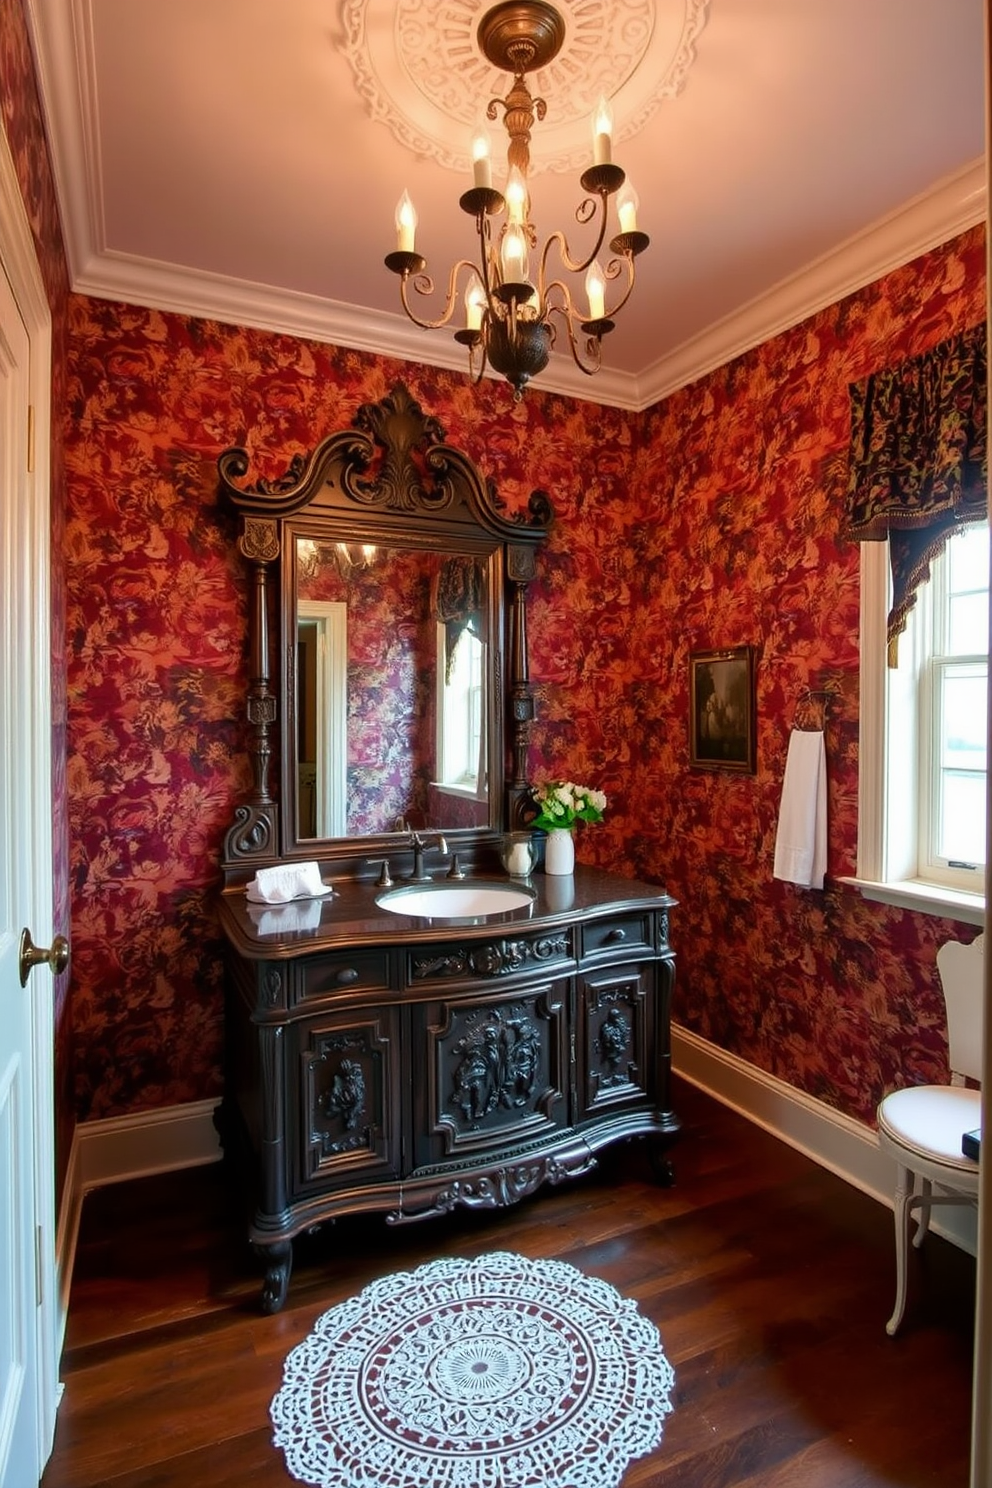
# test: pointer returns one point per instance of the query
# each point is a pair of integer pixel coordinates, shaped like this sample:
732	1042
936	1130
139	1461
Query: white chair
921	1127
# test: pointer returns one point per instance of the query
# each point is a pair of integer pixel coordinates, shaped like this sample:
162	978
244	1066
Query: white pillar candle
602	134
482	169
596	290
475	303
406	224
516	196
514	255
627	204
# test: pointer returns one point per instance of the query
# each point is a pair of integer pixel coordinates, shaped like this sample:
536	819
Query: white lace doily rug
498	1372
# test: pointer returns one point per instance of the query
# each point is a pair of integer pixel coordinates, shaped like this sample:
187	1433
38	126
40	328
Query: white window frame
469	789
330	616
887	831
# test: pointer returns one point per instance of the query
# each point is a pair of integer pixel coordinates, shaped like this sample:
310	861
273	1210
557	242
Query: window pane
962	724
968	555
961	756
968	623
962	818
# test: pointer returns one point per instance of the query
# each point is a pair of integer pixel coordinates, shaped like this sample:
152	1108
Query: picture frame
722	710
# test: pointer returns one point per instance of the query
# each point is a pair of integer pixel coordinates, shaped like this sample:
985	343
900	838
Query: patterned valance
919	459
459	600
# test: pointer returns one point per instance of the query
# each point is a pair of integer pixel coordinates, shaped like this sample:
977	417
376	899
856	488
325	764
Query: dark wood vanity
411	1066
410	1063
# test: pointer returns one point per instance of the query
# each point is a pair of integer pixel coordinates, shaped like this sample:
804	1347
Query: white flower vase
559	852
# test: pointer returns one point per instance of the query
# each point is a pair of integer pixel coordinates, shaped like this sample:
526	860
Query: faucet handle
384	881
456	870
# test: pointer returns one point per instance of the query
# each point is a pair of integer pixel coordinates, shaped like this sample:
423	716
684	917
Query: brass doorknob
57	955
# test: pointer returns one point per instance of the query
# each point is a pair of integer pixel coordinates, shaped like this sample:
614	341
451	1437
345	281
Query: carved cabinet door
348	1098
615	1040
490	1071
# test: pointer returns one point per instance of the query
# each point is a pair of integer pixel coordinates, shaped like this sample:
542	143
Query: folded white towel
284	882
283	919
801	841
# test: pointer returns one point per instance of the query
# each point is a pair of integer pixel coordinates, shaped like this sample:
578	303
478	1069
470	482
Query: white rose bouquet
562	803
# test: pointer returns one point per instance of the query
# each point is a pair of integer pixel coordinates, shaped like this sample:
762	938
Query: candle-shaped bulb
475	303
627	205
406	224
513	252
596	290
602	133
516	195
482	168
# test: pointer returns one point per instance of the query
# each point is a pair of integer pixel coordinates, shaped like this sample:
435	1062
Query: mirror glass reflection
392	689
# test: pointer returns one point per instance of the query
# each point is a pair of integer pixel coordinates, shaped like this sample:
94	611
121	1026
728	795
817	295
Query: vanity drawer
355	971
469	962
629	932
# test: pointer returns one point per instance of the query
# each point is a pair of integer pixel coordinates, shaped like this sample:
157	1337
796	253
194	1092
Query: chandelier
312	557
511	319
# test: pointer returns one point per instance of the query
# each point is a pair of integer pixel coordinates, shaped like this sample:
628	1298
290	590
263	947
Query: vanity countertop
350	916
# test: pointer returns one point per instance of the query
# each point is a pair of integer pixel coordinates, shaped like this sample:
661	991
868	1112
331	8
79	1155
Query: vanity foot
661	1163
278	1259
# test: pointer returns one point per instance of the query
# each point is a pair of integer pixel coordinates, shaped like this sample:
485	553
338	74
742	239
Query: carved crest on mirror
396	691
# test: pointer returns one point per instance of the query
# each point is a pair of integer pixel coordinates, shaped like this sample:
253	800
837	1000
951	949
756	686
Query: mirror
401	696
392	689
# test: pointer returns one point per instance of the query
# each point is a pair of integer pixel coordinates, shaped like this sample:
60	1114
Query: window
461	713
922	812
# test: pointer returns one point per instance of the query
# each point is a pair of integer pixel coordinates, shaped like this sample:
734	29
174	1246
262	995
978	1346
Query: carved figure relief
339	1095
346	1097
612	1045
497	1066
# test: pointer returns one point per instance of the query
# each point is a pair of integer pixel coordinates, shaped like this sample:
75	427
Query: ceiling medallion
418	67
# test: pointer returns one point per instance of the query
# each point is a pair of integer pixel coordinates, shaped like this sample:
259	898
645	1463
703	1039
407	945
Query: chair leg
923	1221
904	1193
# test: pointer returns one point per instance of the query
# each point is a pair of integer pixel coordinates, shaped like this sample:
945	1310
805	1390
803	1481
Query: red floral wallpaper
737	541
712	520
25	134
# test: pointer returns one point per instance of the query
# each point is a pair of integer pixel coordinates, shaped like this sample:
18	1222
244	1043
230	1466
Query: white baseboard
122	1147
835	1141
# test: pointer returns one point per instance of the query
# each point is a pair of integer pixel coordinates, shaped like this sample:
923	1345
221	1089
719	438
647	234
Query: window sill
463	792
935	899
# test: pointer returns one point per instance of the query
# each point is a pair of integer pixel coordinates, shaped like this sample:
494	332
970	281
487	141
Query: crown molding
958	203
157	286
61	32
953	205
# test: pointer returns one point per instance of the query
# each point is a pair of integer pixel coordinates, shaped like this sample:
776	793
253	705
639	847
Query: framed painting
721	710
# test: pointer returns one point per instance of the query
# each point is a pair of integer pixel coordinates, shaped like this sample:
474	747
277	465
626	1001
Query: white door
27	1273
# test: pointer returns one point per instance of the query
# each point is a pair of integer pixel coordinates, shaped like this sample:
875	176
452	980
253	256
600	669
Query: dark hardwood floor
769	1280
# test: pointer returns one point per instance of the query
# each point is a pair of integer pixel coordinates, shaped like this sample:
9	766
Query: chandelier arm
592	347
572	265
424	285
565	307
486	257
613	270
483	361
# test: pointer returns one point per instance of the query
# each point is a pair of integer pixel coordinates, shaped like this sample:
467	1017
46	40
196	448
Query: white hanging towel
801	842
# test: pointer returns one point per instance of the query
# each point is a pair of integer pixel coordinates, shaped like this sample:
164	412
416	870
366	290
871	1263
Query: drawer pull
346	976
615	935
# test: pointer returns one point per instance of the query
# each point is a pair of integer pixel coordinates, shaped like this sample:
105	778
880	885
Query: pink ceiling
219	158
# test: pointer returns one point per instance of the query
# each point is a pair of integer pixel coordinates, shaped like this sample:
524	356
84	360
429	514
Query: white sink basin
455	901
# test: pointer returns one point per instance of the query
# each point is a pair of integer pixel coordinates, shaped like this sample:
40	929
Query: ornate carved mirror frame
390	478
